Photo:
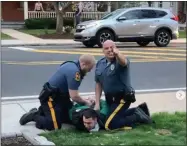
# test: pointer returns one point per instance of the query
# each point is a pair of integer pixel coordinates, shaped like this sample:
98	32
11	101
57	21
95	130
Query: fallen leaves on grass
163	132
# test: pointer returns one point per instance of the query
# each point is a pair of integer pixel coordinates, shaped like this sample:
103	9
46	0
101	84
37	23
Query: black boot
142	117
145	108
28	117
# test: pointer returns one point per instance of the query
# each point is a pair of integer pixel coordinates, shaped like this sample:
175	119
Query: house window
160	4
185	8
21	4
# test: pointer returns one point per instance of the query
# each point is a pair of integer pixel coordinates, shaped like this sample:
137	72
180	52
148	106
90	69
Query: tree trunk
59	23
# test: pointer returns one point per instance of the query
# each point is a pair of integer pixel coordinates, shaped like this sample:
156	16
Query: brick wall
12	11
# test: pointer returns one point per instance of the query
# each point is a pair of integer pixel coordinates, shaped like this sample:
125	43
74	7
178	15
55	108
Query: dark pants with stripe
52	113
118	116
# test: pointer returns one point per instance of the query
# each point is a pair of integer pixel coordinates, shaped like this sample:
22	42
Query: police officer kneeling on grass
85	118
55	96
112	75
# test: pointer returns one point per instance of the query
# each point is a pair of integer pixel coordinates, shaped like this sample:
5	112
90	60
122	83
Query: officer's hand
89	102
97	107
115	51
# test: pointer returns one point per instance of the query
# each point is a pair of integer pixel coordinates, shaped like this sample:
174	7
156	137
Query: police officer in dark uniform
112	75
55	96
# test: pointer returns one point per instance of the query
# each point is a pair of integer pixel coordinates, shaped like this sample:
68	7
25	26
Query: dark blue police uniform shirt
112	76
68	76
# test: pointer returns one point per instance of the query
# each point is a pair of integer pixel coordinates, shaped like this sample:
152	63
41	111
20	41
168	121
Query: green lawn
5	37
38	31
47	34
170	129
182	34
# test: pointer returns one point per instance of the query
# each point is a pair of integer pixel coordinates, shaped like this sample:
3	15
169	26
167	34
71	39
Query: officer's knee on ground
47	124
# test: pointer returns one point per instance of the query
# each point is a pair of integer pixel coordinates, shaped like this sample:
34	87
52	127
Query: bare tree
60	8
101	6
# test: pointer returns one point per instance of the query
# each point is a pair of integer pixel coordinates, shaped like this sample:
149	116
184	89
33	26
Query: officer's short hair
87	58
90	113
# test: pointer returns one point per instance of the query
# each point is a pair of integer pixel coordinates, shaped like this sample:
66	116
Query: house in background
17	11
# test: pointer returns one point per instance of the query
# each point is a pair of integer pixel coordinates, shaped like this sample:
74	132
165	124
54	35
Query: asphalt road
25	69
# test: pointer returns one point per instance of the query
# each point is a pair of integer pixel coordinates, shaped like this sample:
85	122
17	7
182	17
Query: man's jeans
77	19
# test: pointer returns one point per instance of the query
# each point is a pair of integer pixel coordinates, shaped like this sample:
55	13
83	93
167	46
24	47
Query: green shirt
103	108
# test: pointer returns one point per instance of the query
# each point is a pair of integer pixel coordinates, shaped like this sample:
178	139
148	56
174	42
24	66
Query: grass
47	34
182	34
5	36
170	129
37	32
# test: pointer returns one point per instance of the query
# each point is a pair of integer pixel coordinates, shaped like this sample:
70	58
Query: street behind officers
55	96
112	75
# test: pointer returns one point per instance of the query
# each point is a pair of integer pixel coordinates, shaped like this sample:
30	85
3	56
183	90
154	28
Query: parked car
141	25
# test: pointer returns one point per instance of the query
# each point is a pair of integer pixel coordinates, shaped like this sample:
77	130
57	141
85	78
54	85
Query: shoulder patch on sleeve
77	76
99	61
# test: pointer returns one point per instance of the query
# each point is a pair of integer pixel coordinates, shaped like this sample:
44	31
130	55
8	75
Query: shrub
68	29
47	23
44	23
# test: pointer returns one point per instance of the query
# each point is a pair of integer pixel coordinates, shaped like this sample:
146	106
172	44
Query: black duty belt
116	97
55	94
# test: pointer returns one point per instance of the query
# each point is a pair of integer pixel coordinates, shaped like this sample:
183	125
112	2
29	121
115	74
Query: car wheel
162	38
104	35
89	44
143	43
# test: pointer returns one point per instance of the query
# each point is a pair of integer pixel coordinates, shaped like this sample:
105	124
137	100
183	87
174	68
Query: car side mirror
122	18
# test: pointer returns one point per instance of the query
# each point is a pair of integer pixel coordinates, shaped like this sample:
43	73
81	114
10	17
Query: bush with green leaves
48	23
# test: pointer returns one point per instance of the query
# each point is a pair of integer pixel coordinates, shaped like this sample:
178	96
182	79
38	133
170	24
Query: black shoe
33	109
145	108
142	117
28	117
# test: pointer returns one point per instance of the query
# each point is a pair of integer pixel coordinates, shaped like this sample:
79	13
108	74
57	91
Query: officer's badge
112	67
77	76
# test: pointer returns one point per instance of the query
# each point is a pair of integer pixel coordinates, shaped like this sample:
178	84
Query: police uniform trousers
53	112
117	113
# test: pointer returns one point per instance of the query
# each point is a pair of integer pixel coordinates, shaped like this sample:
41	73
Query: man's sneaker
28	117
145	108
142	117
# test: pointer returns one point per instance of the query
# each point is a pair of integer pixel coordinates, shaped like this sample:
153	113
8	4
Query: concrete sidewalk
23	39
13	110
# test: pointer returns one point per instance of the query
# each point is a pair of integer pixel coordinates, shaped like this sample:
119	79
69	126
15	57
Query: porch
52	14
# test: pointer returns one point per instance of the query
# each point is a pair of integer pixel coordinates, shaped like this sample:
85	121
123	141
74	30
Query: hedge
49	23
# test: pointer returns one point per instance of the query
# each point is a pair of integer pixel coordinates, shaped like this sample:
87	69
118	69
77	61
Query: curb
68	44
36	139
35	97
9	135
39	44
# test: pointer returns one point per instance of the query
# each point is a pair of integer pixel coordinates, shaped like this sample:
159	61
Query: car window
113	14
134	14
160	13
148	14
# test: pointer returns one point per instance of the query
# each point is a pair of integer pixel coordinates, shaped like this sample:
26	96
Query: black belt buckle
47	92
130	96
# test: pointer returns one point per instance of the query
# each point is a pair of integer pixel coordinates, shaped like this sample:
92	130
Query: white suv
141	25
